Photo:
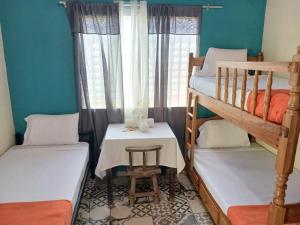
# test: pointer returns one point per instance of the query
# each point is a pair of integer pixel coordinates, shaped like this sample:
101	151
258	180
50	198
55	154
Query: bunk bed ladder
190	126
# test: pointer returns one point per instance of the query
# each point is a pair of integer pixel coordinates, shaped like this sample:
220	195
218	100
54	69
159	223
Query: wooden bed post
287	145
190	69
191	111
189	115
260	57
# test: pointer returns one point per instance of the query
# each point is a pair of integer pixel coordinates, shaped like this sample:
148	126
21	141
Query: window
180	45
94	68
179	49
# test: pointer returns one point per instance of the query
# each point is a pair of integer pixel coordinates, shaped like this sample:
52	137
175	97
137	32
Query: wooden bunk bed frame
283	137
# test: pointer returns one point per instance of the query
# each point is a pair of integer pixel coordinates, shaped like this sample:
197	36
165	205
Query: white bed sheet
207	86
40	173
242	176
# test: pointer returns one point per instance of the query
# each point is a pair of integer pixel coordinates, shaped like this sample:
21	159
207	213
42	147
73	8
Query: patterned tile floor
186	209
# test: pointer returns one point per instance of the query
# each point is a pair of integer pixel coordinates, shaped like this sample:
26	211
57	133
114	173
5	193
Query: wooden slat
267	97
190	66
187	119
189	129
188	145
190	114
198	61
234	85
244	86
254	93
194	121
282	67
258	58
144	160
189	100
265	130
130	160
193	130
209	204
157	158
194	61
218	83
226	85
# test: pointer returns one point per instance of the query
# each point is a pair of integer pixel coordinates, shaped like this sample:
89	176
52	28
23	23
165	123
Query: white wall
281	31
7	130
282	35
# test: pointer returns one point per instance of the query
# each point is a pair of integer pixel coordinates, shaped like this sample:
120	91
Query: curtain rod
207	6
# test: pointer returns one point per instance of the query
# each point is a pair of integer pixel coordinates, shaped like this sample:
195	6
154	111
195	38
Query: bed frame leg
287	145
276	215
277	209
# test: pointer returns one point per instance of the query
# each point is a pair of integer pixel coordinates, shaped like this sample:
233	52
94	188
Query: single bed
33	174
242	176
43	172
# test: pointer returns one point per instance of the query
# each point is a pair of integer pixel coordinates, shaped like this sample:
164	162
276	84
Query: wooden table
113	152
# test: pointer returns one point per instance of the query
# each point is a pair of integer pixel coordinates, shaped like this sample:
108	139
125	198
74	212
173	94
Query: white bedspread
242	176
207	85
117	138
38	173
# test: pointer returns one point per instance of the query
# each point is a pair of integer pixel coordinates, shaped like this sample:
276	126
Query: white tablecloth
117	137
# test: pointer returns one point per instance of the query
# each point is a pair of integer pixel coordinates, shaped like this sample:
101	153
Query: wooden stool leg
155	188
132	191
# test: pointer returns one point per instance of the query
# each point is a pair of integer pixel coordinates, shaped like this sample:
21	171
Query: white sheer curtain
134	39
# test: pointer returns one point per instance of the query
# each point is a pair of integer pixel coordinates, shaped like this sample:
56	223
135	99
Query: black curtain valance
174	19
93	18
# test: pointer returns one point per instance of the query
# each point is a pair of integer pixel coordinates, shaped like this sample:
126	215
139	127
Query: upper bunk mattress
242	176
207	85
42	173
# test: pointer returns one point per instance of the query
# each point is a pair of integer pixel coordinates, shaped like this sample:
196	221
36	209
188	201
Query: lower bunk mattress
43	180
242	176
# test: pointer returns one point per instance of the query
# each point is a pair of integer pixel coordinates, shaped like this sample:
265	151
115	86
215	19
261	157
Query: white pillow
51	129
218	54
221	134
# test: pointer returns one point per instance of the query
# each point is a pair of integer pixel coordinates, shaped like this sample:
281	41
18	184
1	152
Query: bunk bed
239	105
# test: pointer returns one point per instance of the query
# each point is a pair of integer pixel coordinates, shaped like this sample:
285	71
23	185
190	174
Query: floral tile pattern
203	218
185	209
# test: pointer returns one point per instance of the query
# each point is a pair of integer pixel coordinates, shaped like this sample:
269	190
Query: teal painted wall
39	52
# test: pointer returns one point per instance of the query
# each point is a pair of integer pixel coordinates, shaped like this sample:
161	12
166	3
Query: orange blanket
58	212
249	215
278	104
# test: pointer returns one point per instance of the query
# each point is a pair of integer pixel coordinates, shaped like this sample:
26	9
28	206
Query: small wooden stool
143	171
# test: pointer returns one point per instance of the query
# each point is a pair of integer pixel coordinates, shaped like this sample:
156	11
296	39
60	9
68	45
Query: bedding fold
58	212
